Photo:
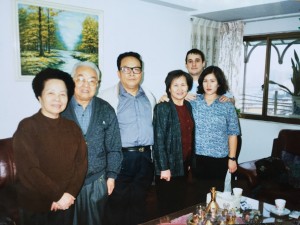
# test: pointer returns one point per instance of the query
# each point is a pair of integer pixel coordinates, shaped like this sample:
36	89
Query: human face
210	84
178	90
86	83
130	81
194	65
54	98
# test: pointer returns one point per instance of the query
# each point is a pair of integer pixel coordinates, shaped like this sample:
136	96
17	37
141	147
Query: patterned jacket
167	148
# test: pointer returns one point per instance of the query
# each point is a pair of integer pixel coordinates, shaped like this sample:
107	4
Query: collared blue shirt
213	125
135	118
83	115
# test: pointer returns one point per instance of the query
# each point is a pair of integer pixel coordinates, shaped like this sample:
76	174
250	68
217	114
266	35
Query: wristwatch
232	158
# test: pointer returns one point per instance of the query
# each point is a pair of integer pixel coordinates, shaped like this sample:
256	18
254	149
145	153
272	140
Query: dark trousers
171	194
60	217
90	203
127	204
210	172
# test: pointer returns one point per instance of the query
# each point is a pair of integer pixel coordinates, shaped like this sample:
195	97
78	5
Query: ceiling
230	10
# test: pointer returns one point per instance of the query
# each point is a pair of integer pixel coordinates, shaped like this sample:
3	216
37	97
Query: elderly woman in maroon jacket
173	142
50	154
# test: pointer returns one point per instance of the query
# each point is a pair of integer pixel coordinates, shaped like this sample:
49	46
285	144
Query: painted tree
54	41
38	29
40	37
27	30
89	41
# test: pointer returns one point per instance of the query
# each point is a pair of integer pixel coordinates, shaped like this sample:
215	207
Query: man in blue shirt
133	105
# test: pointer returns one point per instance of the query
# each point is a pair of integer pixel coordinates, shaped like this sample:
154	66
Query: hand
224	98
164	98
110	185
166	175
66	201
190	97
232	166
55	207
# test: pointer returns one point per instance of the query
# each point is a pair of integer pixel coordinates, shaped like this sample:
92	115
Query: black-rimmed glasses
127	70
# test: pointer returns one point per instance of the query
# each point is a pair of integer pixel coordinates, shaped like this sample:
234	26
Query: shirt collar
201	97
76	104
122	90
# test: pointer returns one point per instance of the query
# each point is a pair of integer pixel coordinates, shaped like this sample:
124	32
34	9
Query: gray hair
88	64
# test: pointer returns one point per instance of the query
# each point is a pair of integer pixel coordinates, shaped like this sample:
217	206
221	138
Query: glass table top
251	211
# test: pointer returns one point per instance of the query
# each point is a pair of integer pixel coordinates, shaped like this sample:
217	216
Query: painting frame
64	35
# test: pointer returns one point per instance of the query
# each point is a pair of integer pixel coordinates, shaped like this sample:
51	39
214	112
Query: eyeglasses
127	70
92	82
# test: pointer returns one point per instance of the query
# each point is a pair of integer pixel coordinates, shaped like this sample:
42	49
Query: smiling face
130	81
210	84
178	90
86	83
54	98
194	65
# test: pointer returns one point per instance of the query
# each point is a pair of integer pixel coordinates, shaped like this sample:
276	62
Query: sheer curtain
230	54
222	44
205	37
230	61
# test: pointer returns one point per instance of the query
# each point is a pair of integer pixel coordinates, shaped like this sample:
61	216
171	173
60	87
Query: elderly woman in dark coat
50	154
173	142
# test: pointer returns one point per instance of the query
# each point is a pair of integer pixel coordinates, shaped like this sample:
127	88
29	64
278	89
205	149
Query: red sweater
51	159
186	127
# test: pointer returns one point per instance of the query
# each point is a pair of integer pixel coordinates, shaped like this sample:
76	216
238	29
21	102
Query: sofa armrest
7	164
248	170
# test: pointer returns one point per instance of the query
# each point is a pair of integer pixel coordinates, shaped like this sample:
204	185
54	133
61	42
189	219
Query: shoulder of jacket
164	106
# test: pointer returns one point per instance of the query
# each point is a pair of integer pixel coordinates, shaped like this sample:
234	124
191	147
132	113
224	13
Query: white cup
280	204
237	192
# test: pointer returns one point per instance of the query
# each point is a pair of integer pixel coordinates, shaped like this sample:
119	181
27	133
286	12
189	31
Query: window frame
268	38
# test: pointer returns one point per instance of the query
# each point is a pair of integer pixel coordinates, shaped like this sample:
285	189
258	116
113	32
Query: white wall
160	34
257	136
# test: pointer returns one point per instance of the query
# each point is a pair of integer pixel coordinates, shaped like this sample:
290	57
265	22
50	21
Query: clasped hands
63	203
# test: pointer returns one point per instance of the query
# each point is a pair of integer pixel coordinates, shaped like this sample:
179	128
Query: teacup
237	192
280	204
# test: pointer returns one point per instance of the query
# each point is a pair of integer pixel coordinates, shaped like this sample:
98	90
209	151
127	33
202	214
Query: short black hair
129	54
196	52
219	74
39	80
176	74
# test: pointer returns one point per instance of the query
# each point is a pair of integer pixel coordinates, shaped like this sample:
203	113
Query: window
268	92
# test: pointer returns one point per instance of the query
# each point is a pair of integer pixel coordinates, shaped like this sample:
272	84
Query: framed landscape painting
56	36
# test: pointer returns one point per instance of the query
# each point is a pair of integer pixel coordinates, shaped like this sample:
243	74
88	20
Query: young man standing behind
195	63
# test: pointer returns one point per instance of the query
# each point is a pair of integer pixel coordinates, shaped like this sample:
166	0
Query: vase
296	105
213	205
